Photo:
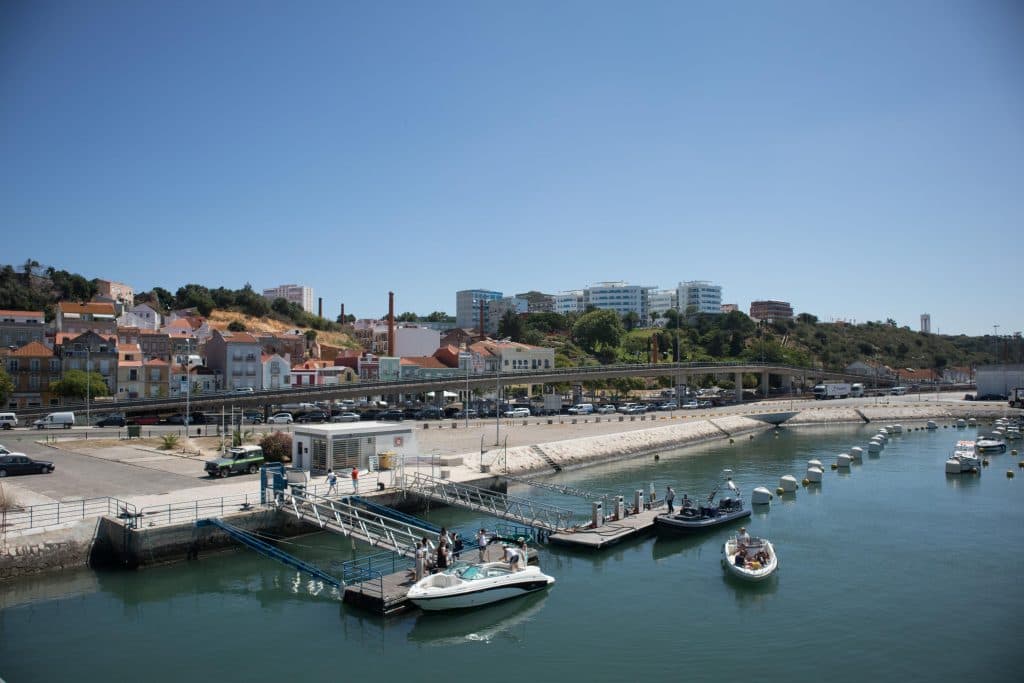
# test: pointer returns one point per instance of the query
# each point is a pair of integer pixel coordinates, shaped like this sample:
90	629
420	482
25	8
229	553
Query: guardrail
55	514
191	511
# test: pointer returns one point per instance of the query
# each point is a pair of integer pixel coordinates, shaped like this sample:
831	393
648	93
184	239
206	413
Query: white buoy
961	423
897	429
972	422
844	460
891	429
931	425
788	483
760	496
814	474
814	462
857	453
874	446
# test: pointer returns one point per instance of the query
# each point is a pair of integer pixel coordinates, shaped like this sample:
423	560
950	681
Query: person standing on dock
332	483
355	480
481	542
670	496
421	559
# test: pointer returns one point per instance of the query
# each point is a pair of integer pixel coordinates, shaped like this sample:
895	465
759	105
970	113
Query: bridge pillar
738	381
764	383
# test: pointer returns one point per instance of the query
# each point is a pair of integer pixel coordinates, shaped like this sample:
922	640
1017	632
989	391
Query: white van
581	409
8	420
55	420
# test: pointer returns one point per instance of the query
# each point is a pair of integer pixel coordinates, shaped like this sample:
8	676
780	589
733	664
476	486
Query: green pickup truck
239	459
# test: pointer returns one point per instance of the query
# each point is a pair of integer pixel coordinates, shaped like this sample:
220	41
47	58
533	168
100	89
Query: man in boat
742	538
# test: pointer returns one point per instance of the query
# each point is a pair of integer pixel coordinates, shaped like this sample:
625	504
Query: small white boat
751	568
472	585
964	459
990	444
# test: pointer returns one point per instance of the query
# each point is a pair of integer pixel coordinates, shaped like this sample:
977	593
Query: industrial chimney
391	324
483	334
343	313
320	306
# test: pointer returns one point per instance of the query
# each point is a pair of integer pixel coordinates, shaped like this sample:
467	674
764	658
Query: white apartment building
661	300
496	310
297	294
702	295
619	297
569	302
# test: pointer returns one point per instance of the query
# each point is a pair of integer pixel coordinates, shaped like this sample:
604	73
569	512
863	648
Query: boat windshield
467	572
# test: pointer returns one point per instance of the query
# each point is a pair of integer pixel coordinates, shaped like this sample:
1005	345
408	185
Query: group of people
449	547
332	482
744	557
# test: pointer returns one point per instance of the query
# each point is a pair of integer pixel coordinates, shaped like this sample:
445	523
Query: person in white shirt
481	542
742	538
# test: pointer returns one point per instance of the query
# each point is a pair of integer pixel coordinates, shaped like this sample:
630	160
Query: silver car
345	417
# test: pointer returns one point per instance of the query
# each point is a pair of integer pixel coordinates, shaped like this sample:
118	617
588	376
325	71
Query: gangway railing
607	498
386	511
522	510
341	516
267	550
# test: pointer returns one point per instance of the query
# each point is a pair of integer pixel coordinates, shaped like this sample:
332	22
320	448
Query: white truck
552	404
829	390
856	390
1016	397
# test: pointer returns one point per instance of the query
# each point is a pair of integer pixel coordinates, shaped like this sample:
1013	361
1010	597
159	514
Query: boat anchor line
547	458
522	510
862	415
713	424
341	517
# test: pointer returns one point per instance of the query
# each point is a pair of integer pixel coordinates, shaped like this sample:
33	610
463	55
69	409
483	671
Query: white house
142	316
276	371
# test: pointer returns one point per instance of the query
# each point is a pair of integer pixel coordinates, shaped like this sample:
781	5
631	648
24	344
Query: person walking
355	480
670	497
332	483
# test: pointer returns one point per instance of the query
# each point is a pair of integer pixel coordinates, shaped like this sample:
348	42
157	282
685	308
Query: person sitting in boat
741	558
742	538
762	557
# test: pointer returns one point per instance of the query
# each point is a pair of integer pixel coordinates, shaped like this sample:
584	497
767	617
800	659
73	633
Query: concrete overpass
680	372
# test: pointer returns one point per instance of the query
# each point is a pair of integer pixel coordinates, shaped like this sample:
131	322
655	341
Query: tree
630	321
6	387
193	295
77	384
807	319
236	326
438	317
310	336
598	330
407	317
511	326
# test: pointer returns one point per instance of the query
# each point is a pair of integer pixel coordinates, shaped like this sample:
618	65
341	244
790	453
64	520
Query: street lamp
188	383
497	404
88	387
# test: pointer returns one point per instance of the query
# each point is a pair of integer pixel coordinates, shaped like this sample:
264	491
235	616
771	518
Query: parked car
345	417
280	419
144	420
517	412
668	405
253	417
429	413
691	405
607	409
239	459
112	421
461	415
392	415
19	463
65	420
637	409
179	420
8	420
313	416
243	390
581	409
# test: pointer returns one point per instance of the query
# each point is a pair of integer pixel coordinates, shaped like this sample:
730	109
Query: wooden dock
610	533
392	599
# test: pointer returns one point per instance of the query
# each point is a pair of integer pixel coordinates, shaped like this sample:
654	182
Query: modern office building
569	302
702	295
619	297
467	306
297	294
661	300
771	310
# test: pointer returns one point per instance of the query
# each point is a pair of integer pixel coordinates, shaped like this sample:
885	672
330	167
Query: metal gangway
267	550
607	498
340	516
522	510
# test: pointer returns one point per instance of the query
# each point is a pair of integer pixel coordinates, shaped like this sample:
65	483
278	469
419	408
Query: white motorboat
760	559
472	585
965	458
990	444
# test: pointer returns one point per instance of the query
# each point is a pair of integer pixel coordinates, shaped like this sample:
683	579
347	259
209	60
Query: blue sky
862	160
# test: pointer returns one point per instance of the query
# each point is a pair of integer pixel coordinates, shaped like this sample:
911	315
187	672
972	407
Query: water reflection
667	546
749	594
965	480
507	620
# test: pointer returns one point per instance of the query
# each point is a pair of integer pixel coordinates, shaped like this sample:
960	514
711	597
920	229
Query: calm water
892	572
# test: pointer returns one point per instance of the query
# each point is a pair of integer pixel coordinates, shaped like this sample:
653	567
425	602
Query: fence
53	514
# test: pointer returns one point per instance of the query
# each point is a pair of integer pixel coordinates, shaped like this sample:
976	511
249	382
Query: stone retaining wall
38	550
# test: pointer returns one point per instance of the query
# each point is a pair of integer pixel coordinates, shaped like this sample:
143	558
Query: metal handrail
190	511
61	512
523	510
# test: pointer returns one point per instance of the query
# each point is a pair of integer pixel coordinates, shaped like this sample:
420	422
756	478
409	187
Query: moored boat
990	444
472	585
708	515
965	458
759	559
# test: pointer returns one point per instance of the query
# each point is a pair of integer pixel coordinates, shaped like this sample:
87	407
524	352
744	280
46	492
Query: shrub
168	441
277	447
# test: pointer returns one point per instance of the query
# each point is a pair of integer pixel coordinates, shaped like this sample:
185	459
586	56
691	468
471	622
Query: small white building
318	448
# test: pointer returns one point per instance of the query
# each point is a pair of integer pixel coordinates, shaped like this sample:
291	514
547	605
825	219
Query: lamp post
188	384
88	387
497	405
465	407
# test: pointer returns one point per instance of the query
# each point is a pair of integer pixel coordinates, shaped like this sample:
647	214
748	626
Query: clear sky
862	160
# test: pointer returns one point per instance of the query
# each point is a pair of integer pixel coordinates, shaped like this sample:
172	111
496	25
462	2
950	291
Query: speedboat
690	517
965	458
990	444
471	585
760	559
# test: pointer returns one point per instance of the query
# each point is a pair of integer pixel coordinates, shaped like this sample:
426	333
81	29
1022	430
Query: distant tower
926	322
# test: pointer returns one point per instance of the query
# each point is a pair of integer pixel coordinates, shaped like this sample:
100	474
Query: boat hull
479	597
684	524
467	586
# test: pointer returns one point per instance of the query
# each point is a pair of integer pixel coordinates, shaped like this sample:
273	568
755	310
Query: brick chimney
391	324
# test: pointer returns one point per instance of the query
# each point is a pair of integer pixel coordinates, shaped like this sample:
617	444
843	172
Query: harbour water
892	571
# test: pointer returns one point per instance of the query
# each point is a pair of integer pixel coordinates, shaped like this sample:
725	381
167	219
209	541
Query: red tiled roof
156	361
91	307
423	362
33	348
24	314
240	338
